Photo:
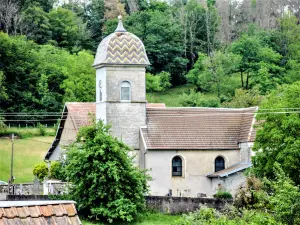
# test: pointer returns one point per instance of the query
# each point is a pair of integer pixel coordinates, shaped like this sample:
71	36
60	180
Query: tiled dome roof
121	48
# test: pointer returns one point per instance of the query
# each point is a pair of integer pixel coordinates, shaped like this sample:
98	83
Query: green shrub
107	185
2	125
208	216
158	83
244	98
57	171
40	171
223	194
41	129
197	99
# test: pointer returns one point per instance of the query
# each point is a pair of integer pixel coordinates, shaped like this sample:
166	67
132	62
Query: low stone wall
35	188
164	204
27	197
23	189
177	205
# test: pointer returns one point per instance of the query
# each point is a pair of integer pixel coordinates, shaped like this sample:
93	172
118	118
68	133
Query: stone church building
187	151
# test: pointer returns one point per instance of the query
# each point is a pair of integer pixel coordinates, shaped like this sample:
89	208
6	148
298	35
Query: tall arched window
176	166
125	91
219	164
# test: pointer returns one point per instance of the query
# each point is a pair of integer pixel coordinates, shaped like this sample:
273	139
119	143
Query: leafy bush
2	125
208	216
197	99
285	198
244	98
40	171
158	83
222	194
57	171
42	129
251	195
107	185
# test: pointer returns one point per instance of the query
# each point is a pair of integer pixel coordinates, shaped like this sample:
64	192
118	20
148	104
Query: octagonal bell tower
120	84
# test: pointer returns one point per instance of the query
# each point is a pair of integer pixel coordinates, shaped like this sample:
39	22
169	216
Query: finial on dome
120	27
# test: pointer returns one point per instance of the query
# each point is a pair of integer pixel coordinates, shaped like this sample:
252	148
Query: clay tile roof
155	105
198	128
231	169
38	213
81	112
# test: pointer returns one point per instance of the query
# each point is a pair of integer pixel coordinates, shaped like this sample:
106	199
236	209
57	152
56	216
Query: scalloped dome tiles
121	48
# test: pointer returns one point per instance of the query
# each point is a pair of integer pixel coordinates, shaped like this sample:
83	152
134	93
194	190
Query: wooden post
11	180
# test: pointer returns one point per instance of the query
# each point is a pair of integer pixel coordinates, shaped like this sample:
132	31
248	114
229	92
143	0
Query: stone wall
177	205
27	197
35	188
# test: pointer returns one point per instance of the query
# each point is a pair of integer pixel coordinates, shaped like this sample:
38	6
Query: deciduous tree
107	185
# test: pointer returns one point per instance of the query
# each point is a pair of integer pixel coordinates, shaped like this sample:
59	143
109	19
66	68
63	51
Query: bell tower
120	64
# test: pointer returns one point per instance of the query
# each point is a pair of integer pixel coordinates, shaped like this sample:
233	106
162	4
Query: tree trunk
242	79
247	81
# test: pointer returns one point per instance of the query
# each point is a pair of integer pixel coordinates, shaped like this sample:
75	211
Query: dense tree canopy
228	49
40	78
279	139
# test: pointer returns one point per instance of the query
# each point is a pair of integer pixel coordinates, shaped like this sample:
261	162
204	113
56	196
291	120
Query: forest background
232	53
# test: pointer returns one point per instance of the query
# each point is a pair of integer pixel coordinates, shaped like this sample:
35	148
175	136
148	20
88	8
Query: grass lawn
149	219
27	153
170	97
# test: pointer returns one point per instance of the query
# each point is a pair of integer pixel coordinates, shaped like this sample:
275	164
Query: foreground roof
38	212
231	170
198	128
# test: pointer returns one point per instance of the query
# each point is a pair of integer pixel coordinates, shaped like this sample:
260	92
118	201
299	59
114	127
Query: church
188	151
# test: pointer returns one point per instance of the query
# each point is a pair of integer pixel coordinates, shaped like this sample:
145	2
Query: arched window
219	164
176	166
125	91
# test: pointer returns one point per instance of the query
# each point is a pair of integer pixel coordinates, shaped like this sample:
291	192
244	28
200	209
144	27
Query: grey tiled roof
198	128
231	169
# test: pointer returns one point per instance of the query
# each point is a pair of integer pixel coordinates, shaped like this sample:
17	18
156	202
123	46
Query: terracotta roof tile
39	213
1	213
197	128
70	209
59	210
10	212
81	113
22	212
46	210
34	211
155	105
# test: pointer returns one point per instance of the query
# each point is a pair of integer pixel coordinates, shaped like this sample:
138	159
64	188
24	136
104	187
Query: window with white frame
125	91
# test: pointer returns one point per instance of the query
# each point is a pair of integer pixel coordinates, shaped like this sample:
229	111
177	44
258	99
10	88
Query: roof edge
8	204
246	166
